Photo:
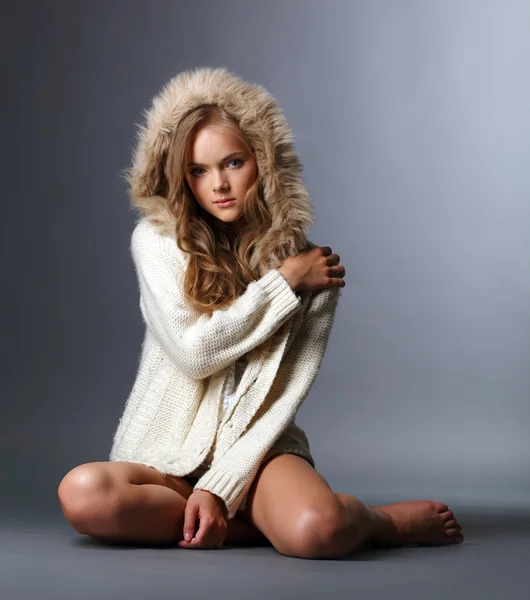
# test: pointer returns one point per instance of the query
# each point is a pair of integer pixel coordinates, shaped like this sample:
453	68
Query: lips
224	200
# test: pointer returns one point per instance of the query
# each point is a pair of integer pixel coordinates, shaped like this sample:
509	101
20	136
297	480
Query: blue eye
238	160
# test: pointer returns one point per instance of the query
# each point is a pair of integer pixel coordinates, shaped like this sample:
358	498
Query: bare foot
421	522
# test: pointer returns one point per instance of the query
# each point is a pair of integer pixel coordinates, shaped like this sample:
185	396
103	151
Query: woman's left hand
211	512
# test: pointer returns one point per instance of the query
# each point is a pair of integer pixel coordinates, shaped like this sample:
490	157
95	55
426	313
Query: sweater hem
282	297
230	488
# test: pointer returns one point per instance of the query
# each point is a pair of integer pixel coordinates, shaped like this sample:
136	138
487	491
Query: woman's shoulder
147	236
144	229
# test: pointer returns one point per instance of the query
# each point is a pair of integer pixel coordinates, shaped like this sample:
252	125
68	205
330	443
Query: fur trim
262	120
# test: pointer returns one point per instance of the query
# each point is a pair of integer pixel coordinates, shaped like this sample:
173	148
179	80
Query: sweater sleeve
232	474
200	345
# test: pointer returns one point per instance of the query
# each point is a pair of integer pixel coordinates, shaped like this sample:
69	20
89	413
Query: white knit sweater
173	418
234	378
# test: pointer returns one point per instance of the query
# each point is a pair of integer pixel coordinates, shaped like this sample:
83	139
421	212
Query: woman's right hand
210	511
313	269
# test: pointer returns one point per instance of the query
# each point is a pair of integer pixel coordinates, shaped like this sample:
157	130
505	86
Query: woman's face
221	167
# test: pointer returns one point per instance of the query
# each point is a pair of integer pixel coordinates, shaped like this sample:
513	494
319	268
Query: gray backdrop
412	121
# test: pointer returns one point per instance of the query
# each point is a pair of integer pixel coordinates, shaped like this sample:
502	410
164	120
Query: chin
229	218
226	219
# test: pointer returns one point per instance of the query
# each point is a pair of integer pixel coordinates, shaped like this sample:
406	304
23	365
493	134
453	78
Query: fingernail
187	537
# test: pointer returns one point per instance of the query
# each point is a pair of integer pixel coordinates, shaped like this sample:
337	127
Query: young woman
238	306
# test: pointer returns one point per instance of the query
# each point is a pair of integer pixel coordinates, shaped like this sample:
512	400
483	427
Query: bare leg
294	506
129	502
416	522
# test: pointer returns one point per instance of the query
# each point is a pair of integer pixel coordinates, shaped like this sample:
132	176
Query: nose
220	181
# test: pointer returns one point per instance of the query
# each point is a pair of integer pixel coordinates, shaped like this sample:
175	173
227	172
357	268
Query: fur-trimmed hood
272	141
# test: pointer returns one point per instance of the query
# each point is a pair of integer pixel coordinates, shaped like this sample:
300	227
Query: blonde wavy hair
218	270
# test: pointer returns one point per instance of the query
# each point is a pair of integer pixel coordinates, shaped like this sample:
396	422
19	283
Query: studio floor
47	559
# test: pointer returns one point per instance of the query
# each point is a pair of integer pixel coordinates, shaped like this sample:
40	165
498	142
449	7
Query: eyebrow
239	152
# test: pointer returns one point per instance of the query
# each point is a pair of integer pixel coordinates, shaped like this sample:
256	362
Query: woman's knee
88	492
315	531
